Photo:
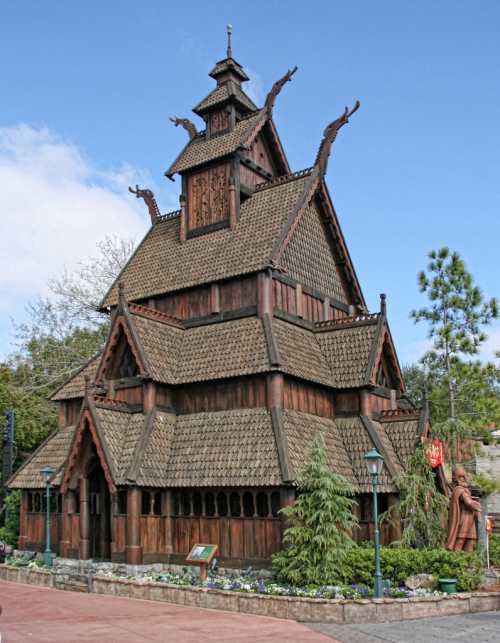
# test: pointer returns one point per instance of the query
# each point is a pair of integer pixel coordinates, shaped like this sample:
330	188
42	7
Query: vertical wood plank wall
240	538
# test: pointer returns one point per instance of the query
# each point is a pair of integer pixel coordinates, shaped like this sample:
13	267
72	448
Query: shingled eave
123	321
10	482
382	337
103	306
89	415
133	470
341	243
392	467
53	398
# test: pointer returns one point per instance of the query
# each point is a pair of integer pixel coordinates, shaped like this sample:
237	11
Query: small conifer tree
321	521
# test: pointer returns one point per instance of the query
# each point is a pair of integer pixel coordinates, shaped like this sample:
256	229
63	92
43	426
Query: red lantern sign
489	525
435	453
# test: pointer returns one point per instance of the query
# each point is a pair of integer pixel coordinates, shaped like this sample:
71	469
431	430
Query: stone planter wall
309	610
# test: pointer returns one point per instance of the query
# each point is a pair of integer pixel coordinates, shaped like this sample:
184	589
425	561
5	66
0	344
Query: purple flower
261	587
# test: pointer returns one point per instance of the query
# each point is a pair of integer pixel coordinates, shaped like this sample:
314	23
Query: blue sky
88	89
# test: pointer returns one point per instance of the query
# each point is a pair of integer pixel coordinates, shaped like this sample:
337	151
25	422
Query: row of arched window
234	504
37	502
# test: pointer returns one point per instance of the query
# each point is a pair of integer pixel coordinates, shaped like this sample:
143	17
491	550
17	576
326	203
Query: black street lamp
374	462
47	473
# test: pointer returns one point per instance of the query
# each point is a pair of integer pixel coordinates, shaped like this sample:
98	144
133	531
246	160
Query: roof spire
229	30
383	304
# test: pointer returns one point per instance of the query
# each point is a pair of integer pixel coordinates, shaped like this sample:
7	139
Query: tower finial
383	304
229	30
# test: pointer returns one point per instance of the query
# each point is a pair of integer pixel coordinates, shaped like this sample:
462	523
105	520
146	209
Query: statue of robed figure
462	532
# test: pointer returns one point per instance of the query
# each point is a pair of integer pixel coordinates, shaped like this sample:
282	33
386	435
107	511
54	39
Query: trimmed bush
398	563
495	550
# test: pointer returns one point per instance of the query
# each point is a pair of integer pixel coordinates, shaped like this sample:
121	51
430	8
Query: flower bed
251	584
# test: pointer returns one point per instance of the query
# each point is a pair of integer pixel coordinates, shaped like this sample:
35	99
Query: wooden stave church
238	331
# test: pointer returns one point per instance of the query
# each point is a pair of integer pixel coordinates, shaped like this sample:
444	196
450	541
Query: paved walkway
52	616
483	627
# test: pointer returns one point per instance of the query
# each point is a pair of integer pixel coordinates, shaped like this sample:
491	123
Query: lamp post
47	473
374	462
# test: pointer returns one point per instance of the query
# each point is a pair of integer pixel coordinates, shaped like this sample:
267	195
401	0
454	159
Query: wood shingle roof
162	263
226	448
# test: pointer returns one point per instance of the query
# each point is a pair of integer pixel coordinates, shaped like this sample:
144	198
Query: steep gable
308	256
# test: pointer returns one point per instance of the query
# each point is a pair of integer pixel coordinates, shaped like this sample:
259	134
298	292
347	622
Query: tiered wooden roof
286	226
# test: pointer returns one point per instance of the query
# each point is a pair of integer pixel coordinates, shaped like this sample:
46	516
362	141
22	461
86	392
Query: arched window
209	504
157	503
234	503
275	503
248	504
222	504
262	505
197	504
145	503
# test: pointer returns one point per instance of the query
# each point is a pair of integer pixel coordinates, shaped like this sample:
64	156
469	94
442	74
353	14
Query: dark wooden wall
249	178
238	538
130	394
233	294
221	396
306	305
260	155
187	304
307	398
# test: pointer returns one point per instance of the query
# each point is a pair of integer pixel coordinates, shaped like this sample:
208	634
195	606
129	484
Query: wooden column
364	403
113	501
68	511
84	548
23	521
274	382
61	415
214	299
183	227
299	300
326	309
395	527
149	396
233	207
168	512
133	554
104	523
264	290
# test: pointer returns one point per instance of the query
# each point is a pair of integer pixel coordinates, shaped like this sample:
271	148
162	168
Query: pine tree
456	313
321	521
422	507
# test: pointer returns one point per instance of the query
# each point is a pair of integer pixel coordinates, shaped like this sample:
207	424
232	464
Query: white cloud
55	204
254	86
491	345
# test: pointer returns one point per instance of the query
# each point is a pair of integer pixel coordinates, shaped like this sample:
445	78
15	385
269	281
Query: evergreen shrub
9	533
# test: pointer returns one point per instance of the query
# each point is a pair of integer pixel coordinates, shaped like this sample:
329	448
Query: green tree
421	507
477	388
456	314
9	533
321	521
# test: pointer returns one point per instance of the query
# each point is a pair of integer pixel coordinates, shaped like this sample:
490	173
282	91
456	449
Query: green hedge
495	550
9	533
398	563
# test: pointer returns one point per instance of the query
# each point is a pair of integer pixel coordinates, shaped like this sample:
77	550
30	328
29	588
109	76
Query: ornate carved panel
208	196
219	122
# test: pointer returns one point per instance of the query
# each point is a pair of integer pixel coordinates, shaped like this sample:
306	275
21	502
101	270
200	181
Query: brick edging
307	610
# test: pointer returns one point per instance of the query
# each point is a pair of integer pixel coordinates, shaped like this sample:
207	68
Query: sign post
202	555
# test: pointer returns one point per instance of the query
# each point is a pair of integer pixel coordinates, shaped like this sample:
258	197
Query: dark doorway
99	506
